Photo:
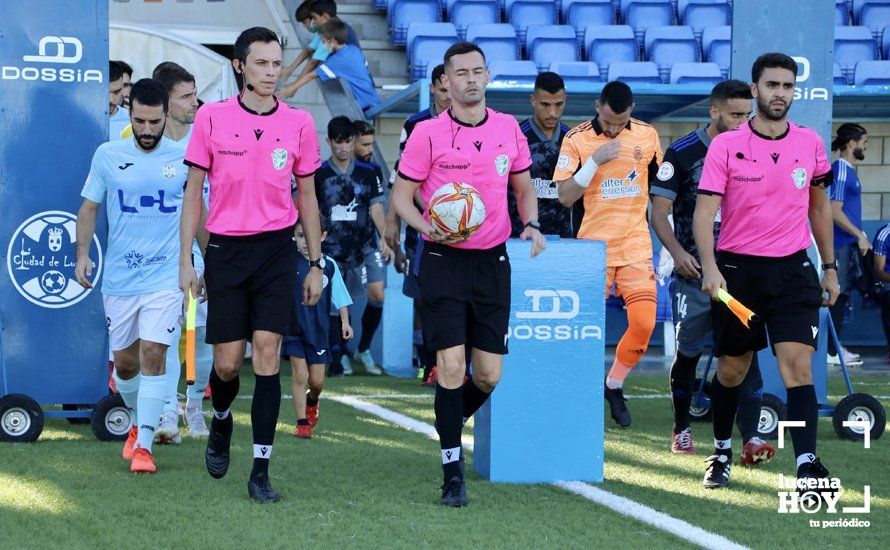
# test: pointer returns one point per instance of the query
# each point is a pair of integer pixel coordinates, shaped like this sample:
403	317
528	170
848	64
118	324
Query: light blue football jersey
142	193
197	257
117	122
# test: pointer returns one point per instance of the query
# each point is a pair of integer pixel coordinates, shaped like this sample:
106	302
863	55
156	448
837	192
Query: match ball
457	209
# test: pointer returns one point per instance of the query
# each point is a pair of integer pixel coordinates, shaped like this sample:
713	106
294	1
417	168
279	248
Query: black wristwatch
833	265
532	223
319	263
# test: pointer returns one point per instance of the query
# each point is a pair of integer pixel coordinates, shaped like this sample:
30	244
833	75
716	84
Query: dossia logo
802	90
53	50
552	315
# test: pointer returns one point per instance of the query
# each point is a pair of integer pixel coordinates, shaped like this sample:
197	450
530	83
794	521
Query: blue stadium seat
577	71
428	42
852	45
606	45
520	71
581	14
545	44
876	73
841	13
642	14
699	14
885	43
497	40
522	13
467	12
665	46
856	8
639	72
380	4
696	73
875	17
405	12
839	79
716	47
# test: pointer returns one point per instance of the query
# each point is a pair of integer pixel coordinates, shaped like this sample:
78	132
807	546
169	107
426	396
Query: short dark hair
847	132
125	67
364	128
549	82
334	29
438	72
149	92
114	71
617	95
303	12
248	37
772	60
324	6
340	128
461	48
321	223
170	74
730	89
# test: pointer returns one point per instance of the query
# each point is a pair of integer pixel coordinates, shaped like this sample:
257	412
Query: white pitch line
618	504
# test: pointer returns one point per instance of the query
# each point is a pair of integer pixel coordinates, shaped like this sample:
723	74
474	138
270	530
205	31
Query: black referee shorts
250	285
465	297
785	293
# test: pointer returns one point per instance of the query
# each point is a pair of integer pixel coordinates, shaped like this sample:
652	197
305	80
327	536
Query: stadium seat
606	45
715	42
468	12
497	40
665	46
642	14
380	4
841	13
522	13
874	73
545	44
581	14
851	45
519	71
428	42
699	14
406	12
577	71
839	79
696	73
858	5
885	43
639	72
875	16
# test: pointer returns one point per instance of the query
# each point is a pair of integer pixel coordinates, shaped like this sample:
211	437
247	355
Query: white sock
129	390
450	455
221	415
174	370
262	451
804	458
203	364
613	384
723	444
151	403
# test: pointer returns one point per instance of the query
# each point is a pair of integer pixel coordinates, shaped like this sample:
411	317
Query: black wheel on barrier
79	420
772	410
111	419
21	419
859	406
700	412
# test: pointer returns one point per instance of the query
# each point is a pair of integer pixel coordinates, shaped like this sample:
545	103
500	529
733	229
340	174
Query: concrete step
387	63
358	7
368	27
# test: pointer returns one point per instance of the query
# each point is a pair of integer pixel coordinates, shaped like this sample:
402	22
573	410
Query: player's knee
486	381
731	373
226	370
316	385
798	372
451	371
152	358
126	367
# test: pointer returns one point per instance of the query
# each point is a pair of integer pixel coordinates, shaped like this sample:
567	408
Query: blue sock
174	370
152	390
129	390
203	364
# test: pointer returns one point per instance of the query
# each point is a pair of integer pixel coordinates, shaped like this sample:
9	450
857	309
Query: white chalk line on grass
618	504
431	396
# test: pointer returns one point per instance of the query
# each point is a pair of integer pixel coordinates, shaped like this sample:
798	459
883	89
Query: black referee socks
682	388
802	405
370	322
222	392
263	419
473	398
724	402
449	408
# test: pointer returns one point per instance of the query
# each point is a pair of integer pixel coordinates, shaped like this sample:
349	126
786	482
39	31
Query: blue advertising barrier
557	338
53	343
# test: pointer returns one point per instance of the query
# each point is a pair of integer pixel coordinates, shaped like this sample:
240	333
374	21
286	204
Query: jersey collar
702	134
540	133
251	111
768	138
468	125
337	171
599	129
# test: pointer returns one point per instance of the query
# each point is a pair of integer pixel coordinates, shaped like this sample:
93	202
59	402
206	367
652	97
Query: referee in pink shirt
250	146
465	284
766	178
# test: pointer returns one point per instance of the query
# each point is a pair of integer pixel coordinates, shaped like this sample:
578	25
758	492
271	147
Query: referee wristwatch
319	263
831	265
533	224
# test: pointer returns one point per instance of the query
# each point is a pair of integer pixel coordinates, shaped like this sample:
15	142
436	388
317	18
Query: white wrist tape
586	172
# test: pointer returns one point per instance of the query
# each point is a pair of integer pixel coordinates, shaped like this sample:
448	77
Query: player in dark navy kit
544	133
673	192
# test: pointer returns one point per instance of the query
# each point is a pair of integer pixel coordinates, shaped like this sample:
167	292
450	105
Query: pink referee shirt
765	185
250	159
445	150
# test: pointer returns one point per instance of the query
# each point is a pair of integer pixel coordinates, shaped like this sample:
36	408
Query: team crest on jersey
500	164
169	171
279	158
665	171
324	281
563	161
799	175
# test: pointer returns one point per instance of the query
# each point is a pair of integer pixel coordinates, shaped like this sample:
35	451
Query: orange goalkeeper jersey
616	200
